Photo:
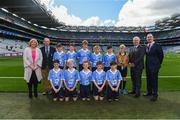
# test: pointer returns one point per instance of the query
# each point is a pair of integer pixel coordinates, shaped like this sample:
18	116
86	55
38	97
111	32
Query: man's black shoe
109	100
147	95
136	96
154	98
132	92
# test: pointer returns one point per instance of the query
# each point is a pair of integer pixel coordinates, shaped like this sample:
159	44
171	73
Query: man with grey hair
136	63
154	59
47	63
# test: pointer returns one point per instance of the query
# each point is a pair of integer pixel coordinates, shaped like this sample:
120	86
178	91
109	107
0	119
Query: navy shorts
112	94
60	94
96	93
85	91
71	93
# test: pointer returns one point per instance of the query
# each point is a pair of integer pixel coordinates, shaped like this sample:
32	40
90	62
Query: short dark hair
56	61
109	47
59	45
85	42
86	62
99	63
72	44
113	63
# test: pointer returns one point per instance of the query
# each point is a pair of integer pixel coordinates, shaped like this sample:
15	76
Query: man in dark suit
136	62
154	59
47	63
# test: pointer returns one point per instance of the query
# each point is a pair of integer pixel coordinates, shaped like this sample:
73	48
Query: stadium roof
36	13
100	29
30	10
168	23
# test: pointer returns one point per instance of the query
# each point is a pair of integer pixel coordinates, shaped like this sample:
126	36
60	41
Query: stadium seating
16	28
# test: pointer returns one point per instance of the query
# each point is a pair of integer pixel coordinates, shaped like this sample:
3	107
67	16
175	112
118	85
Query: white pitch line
10	77
169	76
127	77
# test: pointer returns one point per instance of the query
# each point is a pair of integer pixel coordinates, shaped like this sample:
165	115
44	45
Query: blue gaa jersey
113	77
56	76
61	56
108	58
84	55
96	58
71	77
85	77
99	77
72	55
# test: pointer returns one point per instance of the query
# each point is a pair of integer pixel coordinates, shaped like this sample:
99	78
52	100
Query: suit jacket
27	59
136	56
154	57
47	60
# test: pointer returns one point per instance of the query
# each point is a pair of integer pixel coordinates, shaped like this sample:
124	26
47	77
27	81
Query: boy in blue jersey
56	78
71	54
108	58
60	55
113	77
84	54
71	79
85	81
96	57
99	80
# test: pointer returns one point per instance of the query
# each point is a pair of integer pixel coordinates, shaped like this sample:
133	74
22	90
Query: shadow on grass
127	107
19	106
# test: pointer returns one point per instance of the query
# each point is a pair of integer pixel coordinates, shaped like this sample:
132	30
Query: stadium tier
18	24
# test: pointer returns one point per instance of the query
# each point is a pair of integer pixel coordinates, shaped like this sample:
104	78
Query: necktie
149	47
135	48
47	51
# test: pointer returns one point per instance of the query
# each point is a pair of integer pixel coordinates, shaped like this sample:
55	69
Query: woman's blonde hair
96	46
122	46
70	60
31	40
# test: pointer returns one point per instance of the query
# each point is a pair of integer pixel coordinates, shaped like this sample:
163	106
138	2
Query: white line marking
127	77
11	77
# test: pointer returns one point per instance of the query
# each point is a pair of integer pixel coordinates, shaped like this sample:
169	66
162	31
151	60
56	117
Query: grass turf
17	105
13	67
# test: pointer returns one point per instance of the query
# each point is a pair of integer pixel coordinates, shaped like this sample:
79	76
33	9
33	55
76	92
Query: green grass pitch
14	102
